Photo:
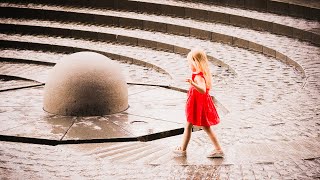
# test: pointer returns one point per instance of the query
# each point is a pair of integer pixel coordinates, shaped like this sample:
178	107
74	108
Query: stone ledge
201	34
262	25
240	43
240	21
283	30
179	30
268	51
255	47
221	38
218	17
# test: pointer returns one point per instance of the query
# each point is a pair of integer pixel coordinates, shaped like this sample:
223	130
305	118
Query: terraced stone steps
222	50
183	27
280	56
283	25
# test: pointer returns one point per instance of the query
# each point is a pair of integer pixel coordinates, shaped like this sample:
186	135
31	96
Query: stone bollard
85	84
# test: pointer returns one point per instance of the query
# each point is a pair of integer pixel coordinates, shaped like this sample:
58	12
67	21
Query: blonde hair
200	61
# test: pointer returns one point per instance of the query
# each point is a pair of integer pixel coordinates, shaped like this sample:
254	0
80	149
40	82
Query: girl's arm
199	84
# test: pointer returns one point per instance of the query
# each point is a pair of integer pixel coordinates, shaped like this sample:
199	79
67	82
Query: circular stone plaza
264	56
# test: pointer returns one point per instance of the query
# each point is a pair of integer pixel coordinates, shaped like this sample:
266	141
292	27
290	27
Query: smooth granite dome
85	84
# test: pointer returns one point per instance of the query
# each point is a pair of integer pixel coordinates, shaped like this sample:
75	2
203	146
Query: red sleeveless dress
200	110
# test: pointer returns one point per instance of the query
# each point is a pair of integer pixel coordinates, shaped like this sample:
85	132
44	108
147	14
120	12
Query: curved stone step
161	25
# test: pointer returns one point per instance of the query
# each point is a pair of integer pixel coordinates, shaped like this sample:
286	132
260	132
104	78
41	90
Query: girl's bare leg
213	138
186	136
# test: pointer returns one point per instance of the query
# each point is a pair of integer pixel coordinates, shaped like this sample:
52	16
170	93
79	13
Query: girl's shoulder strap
199	73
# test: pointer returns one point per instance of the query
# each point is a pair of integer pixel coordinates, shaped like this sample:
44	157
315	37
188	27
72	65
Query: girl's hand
189	80
199	84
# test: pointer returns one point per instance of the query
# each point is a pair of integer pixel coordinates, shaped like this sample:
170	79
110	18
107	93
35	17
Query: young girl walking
200	110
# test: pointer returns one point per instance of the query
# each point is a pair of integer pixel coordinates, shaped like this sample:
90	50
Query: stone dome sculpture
85	84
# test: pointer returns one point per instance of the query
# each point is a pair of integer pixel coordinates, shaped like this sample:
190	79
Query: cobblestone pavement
64	162
272	129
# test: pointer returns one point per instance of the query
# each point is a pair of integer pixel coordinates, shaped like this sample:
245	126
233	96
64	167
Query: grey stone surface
221	38
160	27
240	21
218	17
255	47
241	43
283	30
200	34
178	30
84	84
262	25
